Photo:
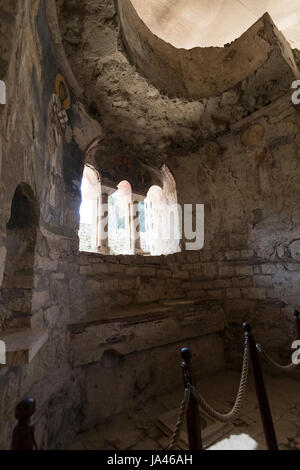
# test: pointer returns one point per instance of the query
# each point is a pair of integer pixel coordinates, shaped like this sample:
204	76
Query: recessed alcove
18	280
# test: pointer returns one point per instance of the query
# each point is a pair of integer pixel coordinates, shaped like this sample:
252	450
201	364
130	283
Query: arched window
120	236
119	221
162	225
91	194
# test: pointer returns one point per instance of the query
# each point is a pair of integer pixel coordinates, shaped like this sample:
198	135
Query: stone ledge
22	345
142	327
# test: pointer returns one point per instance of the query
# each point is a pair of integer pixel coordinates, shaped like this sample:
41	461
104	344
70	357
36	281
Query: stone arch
18	279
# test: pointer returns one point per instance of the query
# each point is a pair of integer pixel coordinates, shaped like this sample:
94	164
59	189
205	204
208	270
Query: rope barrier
273	363
181	414
236	410
206	408
191	393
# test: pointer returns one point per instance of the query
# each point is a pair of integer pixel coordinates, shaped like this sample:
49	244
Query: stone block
163	273
263	281
180	275
227	271
210	270
242	282
233	293
126	259
187	267
268	268
141	271
157	260
222	283
100	268
232	255
116	268
86	270
242	270
216	294
192	258
254	293
125	284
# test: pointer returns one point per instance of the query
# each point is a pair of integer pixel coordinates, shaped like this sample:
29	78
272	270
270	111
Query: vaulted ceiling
193	23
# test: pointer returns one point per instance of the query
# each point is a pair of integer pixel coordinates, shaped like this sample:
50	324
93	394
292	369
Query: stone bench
140	327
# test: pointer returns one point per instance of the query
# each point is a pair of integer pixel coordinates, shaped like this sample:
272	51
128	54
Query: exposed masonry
250	285
89	325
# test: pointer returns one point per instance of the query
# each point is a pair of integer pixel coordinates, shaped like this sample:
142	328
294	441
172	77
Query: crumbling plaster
34	150
136	117
238	150
208	71
237	153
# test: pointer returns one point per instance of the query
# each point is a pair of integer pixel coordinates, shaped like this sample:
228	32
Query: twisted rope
236	410
181	414
273	363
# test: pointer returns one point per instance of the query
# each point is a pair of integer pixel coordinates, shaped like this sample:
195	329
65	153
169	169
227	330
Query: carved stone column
136	224
103	222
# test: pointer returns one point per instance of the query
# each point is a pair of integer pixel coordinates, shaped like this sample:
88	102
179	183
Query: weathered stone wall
248	181
138	120
122	345
36	150
238	161
247	286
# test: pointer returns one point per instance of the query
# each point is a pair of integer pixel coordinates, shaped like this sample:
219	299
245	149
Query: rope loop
273	363
206	408
236	410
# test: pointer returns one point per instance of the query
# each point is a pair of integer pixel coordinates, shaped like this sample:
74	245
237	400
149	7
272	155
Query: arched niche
18	279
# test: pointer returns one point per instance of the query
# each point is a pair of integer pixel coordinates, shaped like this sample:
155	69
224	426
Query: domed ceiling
203	23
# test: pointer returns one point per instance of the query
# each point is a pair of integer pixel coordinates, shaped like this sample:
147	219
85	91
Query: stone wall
248	287
248	180
38	151
237	153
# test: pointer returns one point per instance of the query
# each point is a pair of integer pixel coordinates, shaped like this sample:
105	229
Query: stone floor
138	429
